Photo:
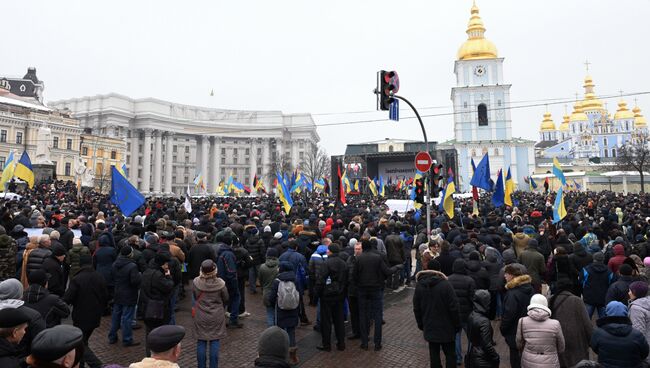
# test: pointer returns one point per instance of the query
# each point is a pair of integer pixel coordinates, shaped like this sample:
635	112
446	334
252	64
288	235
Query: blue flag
499	195
123	194
481	177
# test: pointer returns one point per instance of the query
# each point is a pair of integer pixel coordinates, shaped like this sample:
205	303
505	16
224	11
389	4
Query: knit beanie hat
625	270
353	242
278	235
599	257
616	309
639	289
208	268
271	253
646	261
11	289
273	342
267	229
539	301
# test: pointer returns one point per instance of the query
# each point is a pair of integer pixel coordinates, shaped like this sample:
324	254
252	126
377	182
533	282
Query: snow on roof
21	103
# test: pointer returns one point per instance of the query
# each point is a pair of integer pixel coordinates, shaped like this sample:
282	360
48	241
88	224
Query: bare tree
280	163
634	155
315	164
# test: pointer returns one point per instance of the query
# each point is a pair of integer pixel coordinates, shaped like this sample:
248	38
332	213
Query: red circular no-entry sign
423	161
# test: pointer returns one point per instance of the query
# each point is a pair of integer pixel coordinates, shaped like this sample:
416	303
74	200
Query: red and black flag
341	187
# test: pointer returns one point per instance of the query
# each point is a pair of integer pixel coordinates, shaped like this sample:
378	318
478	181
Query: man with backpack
331	284
300	267
286	299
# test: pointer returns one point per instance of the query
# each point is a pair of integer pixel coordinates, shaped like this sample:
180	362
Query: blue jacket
618	344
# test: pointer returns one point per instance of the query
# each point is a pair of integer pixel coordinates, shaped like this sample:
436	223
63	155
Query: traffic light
387	85
436	188
419	190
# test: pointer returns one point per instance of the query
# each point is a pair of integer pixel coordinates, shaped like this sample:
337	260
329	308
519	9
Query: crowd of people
537	282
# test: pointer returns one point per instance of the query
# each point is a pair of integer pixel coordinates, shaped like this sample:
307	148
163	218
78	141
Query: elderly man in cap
165	345
13	326
57	347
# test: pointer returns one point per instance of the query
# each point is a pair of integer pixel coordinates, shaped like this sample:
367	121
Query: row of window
100	153
3	137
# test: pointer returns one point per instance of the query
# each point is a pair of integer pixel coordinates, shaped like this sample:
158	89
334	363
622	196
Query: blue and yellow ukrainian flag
557	171
447	203
509	189
559	211
122	169
8	170
283	194
372	186
24	170
531	183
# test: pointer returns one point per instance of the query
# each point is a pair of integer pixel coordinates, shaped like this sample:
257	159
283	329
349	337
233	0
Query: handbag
155	309
195	304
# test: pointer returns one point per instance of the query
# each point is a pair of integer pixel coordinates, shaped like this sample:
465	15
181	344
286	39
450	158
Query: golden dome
476	46
639	120
565	124
577	114
547	123
623	112
591	102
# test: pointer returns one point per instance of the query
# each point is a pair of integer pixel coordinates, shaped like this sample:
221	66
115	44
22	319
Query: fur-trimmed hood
518	281
424	273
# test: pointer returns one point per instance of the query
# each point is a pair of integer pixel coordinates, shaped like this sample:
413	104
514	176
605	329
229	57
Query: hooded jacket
480	334
618	344
640	317
577	328
520	242
211	296
515	303
463	286
74	257
618	290
88	297
127	279
7	257
618	259
477	271
255	246
268	273
436	307
595	280
50	306
541	340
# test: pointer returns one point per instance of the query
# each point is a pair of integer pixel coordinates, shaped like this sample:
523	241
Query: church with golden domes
590	131
482	122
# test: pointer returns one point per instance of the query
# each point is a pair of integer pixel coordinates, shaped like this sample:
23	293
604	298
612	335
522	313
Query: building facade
482	122
99	153
21	117
590	131
169	144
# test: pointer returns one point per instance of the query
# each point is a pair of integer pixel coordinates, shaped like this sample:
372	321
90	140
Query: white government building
168	144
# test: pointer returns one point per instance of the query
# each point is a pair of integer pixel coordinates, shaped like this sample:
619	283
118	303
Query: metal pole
426	142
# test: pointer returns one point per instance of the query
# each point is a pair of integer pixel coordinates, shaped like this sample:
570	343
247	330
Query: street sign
393	111
423	161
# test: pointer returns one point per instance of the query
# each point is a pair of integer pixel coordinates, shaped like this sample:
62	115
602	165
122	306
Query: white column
146	162
215	160
133	163
294	153
205	150
266	162
169	168
585	182
279	149
157	162
199	157
253	160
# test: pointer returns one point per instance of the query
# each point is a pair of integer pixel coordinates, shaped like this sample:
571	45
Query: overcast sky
321	56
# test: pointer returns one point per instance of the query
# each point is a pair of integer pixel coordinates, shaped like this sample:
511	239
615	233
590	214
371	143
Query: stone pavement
403	344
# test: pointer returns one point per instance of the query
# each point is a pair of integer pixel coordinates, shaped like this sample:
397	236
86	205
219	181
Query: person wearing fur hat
640	309
208	313
616	342
437	313
539	337
515	303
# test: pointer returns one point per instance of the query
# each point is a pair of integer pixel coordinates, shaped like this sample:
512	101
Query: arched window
605	142
613	152
482	115
606	152
496	152
390	148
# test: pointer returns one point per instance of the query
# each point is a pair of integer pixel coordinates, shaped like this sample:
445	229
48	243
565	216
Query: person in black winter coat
619	289
616	342
331	284
37	256
227	270
244	264
445	259
197	254
51	307
127	279
437	313
515	306
256	249
480	334
156	291
88	297
595	279
65	234
476	270
464	287
55	267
